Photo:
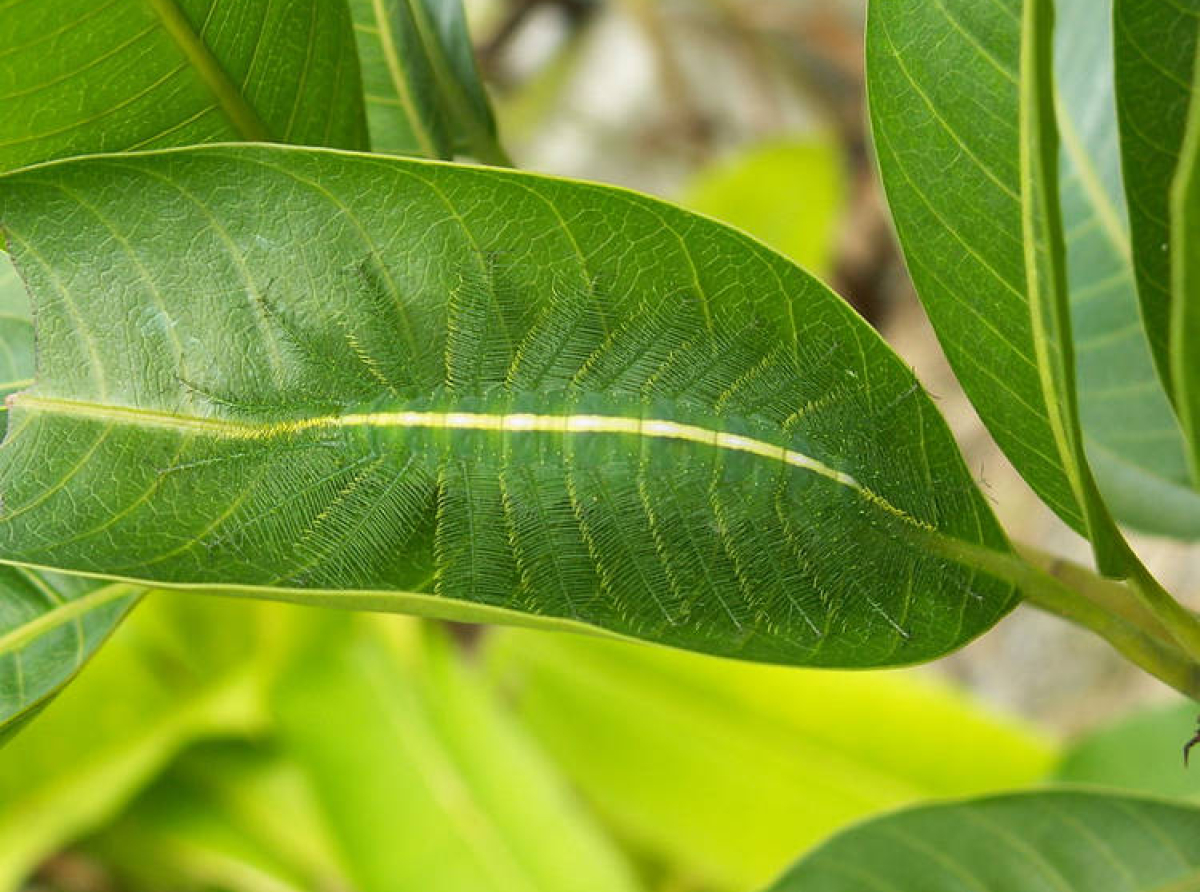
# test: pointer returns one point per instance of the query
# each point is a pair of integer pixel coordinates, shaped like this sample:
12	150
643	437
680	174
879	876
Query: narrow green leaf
79	77
1140	753
1184	338
455	798
1155	51
352	380
1051	841
962	106
1130	431
424	96
720	771
180	668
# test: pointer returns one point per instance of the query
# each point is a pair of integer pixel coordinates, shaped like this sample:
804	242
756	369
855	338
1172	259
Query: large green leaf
720	771
356	380
423	92
962	108
1155	51
1053	841
455	796
1132	436
79	77
181	667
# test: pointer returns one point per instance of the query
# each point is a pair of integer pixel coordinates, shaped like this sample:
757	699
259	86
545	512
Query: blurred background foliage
219	744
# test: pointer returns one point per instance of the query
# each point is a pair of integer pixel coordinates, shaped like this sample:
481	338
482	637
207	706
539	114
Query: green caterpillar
697	466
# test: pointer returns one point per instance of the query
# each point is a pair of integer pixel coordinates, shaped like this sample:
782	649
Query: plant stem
1182	623
1110	595
1111	609
1141	639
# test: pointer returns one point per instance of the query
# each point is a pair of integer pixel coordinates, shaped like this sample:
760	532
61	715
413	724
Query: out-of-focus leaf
724	770
1051	841
471	393
1131	433
442	791
1155	52
424	96
789	194
226	816
182	667
83	76
1140	753
962	110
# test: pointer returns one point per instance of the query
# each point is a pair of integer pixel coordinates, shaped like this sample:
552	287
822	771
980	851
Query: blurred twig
493	48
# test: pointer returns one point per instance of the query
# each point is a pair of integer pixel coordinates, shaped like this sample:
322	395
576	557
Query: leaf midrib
14	640
229	96
512	423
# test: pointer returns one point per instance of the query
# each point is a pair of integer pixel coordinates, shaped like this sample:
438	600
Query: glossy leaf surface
772	759
963	114
1051	841
1131	433
423	92
350	379
78	77
1155	51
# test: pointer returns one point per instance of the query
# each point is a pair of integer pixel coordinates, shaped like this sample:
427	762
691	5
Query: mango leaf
226	815
962	109
182	667
789	194
79	77
352	380
1131	434
1050	841
771	759
455	798
1185	281
1155	51
1139	753
424	96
